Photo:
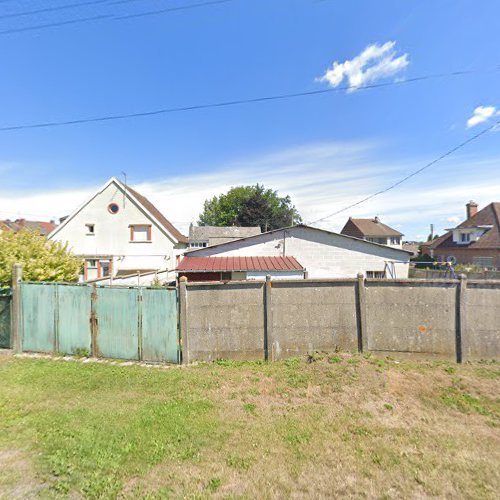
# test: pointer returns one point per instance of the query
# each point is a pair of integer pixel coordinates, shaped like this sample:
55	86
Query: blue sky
326	151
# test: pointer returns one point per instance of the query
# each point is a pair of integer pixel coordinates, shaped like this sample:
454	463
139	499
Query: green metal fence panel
159	325
73	315
38	317
117	315
5	305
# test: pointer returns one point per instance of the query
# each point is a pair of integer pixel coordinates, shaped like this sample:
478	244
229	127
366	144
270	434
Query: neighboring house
120	232
44	228
323	254
239	268
412	246
474	241
372	230
207	236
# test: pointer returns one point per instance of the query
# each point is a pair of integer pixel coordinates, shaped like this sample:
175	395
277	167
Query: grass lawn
338	426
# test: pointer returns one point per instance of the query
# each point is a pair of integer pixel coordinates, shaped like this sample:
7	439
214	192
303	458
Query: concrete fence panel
410	318
481	332
223	321
310	316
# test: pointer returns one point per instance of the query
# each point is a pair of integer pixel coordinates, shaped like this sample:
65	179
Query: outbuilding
321	253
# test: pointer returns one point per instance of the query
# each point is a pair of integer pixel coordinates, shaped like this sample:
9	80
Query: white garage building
323	254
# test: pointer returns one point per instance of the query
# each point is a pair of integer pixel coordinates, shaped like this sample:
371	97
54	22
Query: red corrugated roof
239	264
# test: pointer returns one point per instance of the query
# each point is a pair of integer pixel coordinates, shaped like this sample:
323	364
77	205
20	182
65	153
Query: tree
42	260
250	206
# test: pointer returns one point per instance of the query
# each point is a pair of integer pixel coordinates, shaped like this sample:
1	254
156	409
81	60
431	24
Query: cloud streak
376	62
320	178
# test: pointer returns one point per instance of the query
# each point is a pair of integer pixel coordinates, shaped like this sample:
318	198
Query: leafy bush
42	260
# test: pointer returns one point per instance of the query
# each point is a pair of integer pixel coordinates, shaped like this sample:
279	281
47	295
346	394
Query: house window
375	274
465	237
97	268
140	233
395	240
198	244
113	208
90	228
105	268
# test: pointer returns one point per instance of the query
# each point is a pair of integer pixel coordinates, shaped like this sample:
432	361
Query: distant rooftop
214	235
17	225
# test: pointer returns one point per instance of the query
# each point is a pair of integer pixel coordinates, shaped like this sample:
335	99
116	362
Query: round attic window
113	208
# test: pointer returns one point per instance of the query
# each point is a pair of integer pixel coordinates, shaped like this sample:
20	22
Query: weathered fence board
38	308
117	323
159	325
73	313
5	305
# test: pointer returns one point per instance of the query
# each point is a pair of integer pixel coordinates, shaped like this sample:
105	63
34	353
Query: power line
223	104
172	9
111	17
413	174
52	9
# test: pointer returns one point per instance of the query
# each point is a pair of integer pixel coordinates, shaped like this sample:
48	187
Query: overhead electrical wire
52	9
413	174
223	104
110	17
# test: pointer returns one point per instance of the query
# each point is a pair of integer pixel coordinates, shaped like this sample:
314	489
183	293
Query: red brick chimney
471	209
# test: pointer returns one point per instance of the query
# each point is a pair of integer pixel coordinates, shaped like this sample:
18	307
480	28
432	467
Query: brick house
474	241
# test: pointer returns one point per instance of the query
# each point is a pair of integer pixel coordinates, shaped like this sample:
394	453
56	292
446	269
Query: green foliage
422	261
42	260
156	283
250	206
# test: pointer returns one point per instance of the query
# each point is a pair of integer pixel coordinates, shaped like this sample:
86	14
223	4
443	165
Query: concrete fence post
361	313
461	321
94	348
16	326
268	321
183	321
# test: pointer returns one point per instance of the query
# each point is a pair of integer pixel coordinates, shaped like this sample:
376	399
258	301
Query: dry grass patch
324	426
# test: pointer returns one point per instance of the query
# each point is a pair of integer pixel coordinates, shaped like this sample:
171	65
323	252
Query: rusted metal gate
113	322
5	304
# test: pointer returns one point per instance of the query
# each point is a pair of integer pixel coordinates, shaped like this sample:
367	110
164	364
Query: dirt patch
18	478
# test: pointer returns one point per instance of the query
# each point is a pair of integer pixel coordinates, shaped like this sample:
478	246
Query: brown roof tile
373	227
239	264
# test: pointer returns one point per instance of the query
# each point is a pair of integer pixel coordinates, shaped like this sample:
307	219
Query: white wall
323	254
112	234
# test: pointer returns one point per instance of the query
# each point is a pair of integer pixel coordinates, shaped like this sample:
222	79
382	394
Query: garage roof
239	264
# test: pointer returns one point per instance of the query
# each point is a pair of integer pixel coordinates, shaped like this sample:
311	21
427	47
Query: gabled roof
224	264
488	216
288	228
207	232
158	215
140	201
371	228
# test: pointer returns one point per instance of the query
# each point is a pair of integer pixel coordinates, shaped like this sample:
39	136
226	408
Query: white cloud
454	219
375	62
320	178
481	114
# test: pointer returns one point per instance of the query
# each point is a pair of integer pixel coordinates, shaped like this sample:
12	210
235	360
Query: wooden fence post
361	313
16	325
183	322
461	323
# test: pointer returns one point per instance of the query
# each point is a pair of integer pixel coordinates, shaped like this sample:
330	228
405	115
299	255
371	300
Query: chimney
471	209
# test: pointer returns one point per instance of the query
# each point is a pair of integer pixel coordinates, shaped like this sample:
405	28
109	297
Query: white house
323	254
119	232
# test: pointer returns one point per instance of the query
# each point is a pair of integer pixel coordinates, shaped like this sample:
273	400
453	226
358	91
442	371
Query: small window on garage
375	274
